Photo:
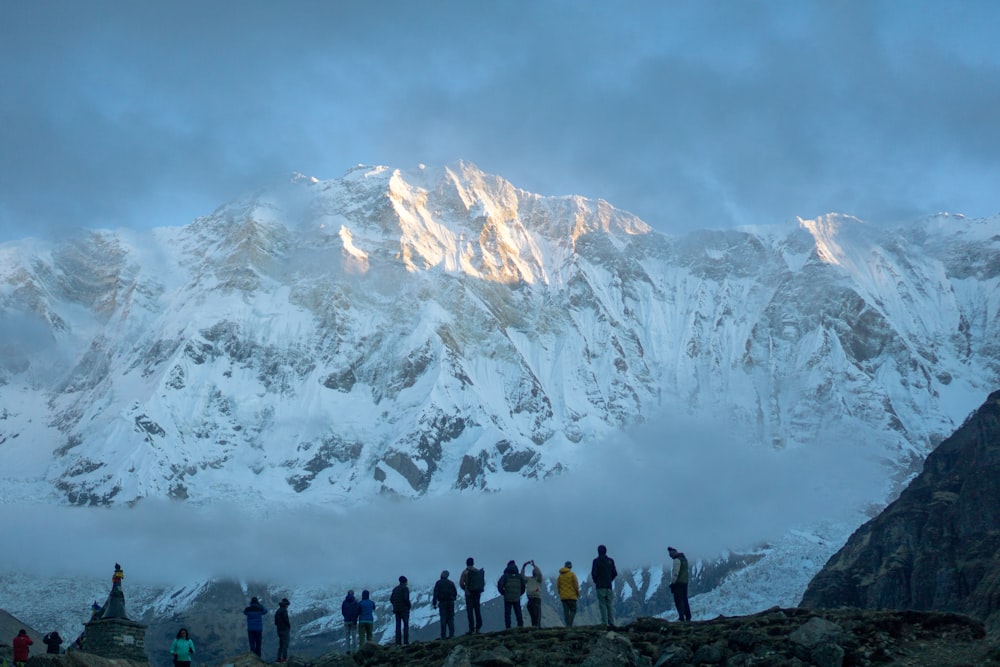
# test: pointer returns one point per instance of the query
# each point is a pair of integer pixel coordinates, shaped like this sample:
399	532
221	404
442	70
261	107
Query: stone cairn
110	633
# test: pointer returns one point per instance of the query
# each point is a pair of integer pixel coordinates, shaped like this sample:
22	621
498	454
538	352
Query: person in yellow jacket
569	592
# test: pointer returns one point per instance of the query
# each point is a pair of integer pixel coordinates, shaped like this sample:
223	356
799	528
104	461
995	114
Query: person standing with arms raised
255	612
533	587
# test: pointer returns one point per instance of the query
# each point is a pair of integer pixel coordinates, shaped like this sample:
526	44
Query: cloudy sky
688	113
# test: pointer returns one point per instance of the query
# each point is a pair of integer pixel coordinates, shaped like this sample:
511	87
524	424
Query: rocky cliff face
938	545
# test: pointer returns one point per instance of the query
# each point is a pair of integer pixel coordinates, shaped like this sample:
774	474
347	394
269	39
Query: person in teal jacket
182	649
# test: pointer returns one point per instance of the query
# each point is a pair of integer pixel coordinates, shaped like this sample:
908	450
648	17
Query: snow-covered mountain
442	331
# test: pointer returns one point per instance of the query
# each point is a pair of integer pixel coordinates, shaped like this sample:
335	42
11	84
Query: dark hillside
937	547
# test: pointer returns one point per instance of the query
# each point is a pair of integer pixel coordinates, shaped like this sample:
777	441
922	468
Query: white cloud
673	482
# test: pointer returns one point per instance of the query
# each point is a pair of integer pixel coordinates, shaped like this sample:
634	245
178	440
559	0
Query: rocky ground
774	638
777	637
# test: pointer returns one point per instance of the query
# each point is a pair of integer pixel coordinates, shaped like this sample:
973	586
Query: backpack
476	581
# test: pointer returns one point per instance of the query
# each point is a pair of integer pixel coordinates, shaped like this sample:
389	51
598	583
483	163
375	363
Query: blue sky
689	114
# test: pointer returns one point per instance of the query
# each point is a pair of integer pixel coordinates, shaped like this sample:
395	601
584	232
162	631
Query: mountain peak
465	332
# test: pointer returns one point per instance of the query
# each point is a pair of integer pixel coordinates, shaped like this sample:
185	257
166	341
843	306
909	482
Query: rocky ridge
772	638
938	545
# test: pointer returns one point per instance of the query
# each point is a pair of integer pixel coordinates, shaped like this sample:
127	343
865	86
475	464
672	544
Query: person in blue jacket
366	618
255	624
350	609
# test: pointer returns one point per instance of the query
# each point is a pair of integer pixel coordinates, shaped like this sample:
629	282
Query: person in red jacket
21	644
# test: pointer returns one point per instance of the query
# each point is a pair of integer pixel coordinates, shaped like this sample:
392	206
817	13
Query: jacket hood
564	570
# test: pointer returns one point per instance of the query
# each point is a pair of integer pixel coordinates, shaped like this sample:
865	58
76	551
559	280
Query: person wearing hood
350	609
52	641
400	600
255	624
21	645
284	628
569	592
445	594
533	587
680	575
366	618
511	586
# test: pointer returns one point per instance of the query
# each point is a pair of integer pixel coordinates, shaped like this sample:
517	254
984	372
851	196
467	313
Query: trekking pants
680	592
569	612
474	611
605	603
535	611
254	636
403	628
447	619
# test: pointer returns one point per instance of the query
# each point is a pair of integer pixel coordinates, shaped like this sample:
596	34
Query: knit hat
402	579
444	574
284	602
569	564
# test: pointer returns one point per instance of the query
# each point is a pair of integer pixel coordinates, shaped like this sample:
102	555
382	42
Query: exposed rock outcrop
937	547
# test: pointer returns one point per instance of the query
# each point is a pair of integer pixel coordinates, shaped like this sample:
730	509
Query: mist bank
674	481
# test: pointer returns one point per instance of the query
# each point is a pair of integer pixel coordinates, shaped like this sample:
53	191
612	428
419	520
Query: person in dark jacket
400	600
444	598
21	644
511	586
603	573
366	618
473	582
350	609
255	624
284	628
52	641
680	575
